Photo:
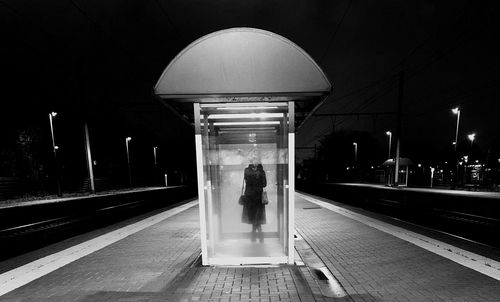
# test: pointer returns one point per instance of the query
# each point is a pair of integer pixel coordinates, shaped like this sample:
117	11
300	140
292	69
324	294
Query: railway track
471	217
45	224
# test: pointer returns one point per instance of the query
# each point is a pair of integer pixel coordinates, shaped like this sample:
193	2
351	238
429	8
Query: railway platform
341	255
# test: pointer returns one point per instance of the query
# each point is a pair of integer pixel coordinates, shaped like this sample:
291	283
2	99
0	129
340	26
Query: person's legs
261	235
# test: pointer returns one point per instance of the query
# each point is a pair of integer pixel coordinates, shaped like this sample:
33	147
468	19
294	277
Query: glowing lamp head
355	144
388	133
53	114
471	136
455	110
128	138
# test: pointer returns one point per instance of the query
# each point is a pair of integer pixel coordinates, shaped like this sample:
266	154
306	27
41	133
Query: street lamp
471	137
154	154
52	115
389	133
355	152
127	140
155	171
456	111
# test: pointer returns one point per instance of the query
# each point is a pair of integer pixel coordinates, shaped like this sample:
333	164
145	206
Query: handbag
242	199
264	197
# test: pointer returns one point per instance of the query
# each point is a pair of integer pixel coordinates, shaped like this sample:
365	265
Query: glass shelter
245	90
233	138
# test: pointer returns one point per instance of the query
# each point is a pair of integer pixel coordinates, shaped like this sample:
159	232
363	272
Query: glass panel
245	152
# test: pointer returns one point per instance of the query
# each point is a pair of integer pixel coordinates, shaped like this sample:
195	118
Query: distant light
446	162
128	138
455	110
53	113
460	163
388	132
348	168
419	165
471	136
441	171
373	167
252	137
477	161
454	143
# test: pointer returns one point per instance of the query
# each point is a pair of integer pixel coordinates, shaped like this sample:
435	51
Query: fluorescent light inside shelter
247	108
247	123
245	115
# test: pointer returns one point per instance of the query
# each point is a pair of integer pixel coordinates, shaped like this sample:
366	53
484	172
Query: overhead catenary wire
334	33
169	20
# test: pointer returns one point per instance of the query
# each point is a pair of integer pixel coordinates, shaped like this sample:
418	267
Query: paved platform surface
158	263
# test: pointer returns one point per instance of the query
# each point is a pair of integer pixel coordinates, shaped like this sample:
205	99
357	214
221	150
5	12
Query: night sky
99	60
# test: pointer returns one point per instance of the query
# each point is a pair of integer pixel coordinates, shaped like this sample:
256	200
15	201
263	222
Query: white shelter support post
201	191
291	181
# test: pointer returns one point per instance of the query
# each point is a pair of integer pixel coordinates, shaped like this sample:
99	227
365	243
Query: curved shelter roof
243	65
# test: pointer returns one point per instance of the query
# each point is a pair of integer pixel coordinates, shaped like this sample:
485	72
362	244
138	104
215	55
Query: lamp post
457	112
389	133
154	154
432	175
127	140
455	143
355	152
471	137
155	148
466	159
52	115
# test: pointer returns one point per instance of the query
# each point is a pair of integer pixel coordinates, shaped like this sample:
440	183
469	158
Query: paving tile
380	267
152	265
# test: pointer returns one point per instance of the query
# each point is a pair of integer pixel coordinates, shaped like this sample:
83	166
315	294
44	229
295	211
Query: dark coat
254	212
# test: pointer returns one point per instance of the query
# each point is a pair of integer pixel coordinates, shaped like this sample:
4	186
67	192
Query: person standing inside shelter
254	211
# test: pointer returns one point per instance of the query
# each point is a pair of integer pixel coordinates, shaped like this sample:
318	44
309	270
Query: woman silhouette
254	212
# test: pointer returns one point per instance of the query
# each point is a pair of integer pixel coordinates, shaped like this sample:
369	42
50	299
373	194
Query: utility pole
398	129
89	159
